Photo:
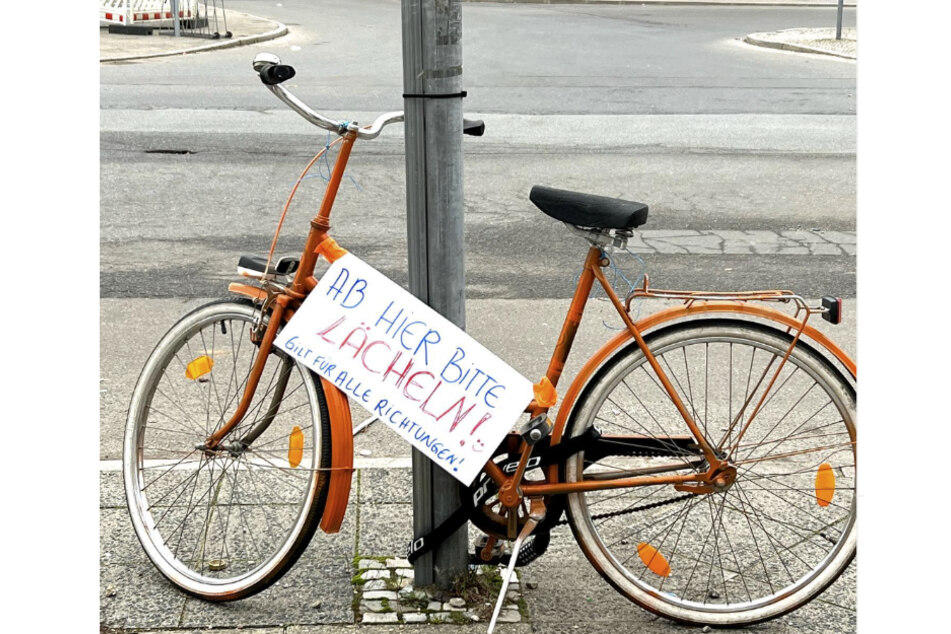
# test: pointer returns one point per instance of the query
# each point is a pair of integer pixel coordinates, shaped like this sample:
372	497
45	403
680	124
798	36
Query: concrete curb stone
797	40
276	30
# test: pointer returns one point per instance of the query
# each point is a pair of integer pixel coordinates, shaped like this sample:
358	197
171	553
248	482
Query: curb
280	31
795	48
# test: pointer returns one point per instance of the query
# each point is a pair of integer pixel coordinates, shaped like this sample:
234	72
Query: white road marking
396	462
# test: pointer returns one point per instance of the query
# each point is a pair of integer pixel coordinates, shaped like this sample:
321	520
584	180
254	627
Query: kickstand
535	516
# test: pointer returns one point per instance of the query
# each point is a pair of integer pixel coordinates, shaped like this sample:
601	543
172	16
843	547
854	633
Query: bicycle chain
645	453
636	509
645	507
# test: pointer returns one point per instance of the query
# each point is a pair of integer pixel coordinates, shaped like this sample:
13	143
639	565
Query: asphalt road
535	59
656	104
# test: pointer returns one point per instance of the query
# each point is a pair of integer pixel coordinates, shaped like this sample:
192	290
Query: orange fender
672	314
341	458
251	292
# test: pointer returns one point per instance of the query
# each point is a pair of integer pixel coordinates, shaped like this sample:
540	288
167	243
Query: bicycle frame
700	449
595	261
304	282
511	490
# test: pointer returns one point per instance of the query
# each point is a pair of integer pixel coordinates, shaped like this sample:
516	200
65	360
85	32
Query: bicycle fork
257	370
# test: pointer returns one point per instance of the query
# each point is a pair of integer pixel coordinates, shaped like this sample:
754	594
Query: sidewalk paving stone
379	486
140	597
288	601
398	520
245	29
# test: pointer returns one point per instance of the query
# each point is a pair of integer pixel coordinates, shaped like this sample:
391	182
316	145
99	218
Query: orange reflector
199	367
654	561
296	449
825	484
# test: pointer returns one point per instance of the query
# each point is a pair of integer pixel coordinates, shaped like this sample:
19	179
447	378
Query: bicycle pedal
496	560
495	554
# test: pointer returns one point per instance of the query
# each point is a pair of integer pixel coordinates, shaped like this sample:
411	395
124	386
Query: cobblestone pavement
716	242
384	593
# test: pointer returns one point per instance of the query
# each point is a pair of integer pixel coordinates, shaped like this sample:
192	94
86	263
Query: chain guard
487	517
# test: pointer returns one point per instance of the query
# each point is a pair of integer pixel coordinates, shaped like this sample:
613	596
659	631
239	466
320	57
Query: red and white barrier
155	13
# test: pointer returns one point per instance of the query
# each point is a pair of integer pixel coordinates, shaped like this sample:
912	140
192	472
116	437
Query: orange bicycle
705	456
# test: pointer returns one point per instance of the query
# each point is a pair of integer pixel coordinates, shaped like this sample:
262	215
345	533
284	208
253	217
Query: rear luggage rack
830	309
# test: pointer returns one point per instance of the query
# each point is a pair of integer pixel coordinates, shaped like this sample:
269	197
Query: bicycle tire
262	503
769	543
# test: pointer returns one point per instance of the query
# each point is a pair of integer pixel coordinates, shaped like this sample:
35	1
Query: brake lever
473	127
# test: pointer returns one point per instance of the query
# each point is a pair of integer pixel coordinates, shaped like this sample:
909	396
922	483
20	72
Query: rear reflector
833	306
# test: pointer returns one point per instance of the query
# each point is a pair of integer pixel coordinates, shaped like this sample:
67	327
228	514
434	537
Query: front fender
341	438
341	458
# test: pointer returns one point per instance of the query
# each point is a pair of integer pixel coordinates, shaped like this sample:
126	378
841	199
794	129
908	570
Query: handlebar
273	73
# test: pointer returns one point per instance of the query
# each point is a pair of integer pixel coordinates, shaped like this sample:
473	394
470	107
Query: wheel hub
725	478
717	482
235	449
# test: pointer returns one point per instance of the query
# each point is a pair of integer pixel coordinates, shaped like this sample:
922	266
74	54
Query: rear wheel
226	523
769	542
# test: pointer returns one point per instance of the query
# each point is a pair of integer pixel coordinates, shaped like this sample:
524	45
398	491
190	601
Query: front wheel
225	523
766	543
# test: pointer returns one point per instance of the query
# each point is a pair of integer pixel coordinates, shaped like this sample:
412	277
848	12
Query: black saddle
587	210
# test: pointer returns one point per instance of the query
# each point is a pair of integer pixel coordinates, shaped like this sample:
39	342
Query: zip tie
462	94
545	393
330	250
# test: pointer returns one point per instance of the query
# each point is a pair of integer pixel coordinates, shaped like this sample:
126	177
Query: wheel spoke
226	515
764	537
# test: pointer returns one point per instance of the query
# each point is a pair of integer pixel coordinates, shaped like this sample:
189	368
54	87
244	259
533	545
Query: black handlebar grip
473	127
276	73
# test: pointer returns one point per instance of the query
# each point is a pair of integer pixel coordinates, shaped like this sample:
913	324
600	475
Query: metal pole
838	21
175	20
432	65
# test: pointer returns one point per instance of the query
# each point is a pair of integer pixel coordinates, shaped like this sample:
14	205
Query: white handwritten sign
426	379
